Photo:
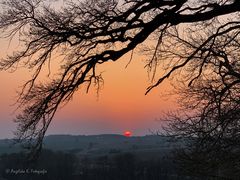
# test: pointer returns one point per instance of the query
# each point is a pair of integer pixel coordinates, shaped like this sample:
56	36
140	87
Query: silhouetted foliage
209	129
188	35
60	165
209	121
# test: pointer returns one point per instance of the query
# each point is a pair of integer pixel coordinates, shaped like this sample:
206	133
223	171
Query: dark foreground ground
101	157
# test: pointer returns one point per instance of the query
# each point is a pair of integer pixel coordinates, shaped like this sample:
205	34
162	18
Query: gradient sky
121	104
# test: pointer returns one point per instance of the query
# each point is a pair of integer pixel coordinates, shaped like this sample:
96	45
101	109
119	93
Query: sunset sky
121	104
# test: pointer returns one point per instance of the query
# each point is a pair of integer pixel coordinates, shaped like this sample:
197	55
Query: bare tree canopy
92	32
209	121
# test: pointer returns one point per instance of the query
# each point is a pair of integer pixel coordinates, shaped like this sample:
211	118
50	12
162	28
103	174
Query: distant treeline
68	166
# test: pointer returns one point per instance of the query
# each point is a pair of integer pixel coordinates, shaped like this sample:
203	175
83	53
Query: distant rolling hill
99	145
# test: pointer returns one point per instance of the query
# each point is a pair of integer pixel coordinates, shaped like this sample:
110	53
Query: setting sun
127	134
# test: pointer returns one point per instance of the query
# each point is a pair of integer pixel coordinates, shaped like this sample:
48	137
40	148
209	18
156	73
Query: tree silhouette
209	122
89	33
209	132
